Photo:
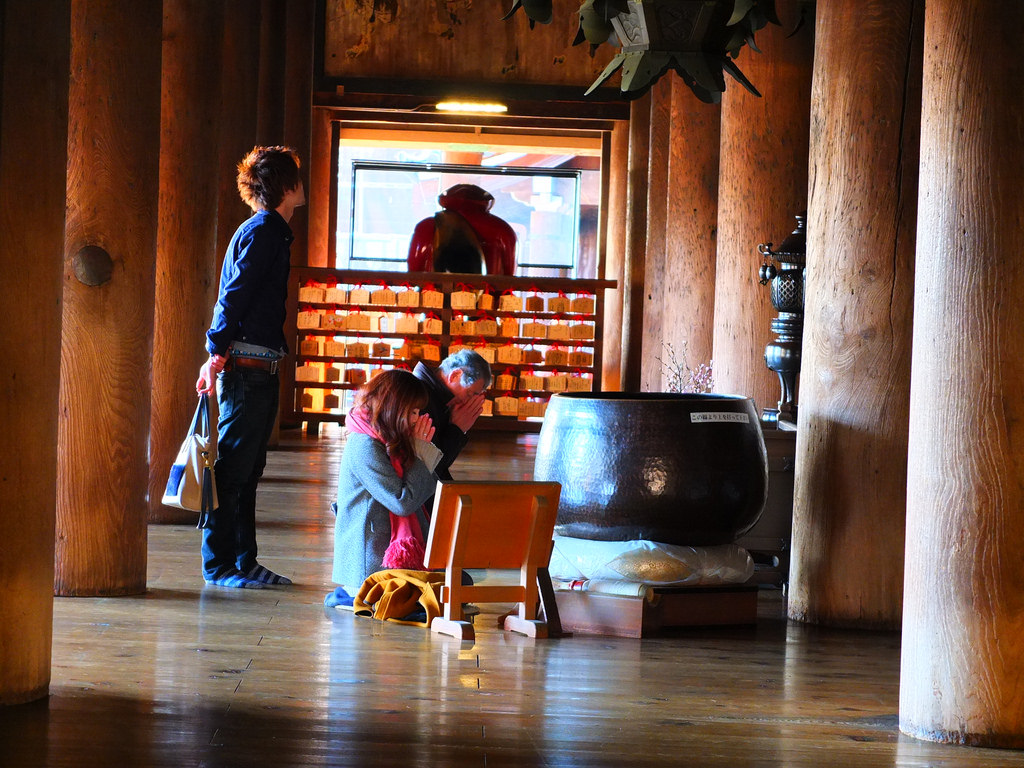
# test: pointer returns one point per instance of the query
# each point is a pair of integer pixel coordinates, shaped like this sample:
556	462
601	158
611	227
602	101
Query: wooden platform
593	613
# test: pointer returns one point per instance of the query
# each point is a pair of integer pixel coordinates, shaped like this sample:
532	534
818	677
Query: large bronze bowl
686	469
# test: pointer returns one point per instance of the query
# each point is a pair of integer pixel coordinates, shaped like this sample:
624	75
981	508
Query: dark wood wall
460	41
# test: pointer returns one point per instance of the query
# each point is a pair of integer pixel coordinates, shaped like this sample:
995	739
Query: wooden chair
506	525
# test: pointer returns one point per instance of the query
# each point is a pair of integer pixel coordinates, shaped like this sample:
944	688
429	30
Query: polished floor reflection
188	675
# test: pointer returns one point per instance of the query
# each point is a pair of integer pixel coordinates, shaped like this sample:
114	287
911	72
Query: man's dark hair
266	174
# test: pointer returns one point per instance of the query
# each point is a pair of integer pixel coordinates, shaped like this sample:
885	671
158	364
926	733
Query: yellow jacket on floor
393	595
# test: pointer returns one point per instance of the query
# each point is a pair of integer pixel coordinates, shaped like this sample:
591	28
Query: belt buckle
273	366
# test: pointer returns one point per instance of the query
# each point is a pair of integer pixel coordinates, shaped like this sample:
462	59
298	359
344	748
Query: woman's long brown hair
388	399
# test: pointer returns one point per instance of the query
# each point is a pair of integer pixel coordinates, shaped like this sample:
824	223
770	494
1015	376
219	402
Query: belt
270	366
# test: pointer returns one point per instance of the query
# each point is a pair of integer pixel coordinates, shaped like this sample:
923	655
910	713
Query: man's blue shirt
252	300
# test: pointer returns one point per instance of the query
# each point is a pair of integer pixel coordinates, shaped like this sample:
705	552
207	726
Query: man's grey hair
473	367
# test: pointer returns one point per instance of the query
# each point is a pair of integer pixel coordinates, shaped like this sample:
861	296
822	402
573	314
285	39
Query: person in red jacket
464	236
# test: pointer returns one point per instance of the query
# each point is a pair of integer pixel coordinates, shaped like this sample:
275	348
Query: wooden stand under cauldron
592	613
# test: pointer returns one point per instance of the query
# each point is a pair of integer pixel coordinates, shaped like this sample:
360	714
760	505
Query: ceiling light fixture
472	107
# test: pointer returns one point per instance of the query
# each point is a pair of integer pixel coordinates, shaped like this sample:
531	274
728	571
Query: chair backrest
500	525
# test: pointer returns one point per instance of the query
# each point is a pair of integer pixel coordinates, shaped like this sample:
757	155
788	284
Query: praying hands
465	412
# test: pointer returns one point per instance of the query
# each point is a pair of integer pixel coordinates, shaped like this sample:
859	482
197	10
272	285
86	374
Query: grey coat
368	489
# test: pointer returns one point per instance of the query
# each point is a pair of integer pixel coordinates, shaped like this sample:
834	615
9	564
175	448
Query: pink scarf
407	549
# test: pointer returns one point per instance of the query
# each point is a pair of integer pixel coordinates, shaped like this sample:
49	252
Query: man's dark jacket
448	437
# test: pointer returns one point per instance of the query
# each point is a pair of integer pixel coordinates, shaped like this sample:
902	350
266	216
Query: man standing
246	341
456	400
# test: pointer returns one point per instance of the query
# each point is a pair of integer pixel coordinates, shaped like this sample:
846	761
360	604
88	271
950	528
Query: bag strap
201	421
206	494
204	406
201	418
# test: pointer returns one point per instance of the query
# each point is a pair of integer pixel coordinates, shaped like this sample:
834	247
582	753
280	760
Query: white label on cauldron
702	416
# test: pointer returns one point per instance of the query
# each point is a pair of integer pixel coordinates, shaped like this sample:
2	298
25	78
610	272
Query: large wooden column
762	185
655	258
298	105
319	188
691	225
34	54
271	69
682	204
963	649
107	342
186	263
850	482
236	124
633	268
615	162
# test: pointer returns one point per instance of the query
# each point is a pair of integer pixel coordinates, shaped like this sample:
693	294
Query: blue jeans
248	401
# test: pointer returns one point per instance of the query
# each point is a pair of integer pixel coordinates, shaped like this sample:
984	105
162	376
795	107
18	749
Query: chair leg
460	630
528	627
547	602
453	611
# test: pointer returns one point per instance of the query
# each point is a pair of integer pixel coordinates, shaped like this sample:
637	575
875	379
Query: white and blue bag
190	484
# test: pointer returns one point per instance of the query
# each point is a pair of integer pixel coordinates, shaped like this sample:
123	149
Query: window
383	192
389	199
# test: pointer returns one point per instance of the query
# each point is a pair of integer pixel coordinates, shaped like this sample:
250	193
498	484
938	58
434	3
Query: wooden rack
323	374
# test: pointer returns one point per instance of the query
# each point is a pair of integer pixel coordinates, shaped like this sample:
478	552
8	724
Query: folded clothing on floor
396	595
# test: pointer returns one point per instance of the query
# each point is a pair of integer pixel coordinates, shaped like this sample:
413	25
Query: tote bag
190	484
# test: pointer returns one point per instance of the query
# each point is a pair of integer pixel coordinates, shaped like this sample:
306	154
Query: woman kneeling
386	476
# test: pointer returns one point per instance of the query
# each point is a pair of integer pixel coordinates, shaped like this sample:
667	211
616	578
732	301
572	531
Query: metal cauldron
686	469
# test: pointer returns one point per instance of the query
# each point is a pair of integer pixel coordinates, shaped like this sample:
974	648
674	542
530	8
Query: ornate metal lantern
787	294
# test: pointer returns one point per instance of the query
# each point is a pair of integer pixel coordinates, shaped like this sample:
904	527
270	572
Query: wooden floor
188	675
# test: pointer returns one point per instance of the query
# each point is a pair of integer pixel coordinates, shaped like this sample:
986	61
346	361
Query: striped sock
235	579
266	576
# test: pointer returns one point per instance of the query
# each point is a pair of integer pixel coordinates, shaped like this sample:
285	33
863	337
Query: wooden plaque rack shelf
323	374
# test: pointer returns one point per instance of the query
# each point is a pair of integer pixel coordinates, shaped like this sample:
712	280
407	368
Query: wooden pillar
107	340
237	124
633	270
850	481
186	276
762	185
319	173
962	644
284	117
691	227
34	54
655	260
298	105
270	106
615	158
236	132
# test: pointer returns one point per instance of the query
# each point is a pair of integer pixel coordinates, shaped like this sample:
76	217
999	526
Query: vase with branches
683	378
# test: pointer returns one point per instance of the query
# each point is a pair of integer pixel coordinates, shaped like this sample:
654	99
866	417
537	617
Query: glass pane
389	199
383	193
